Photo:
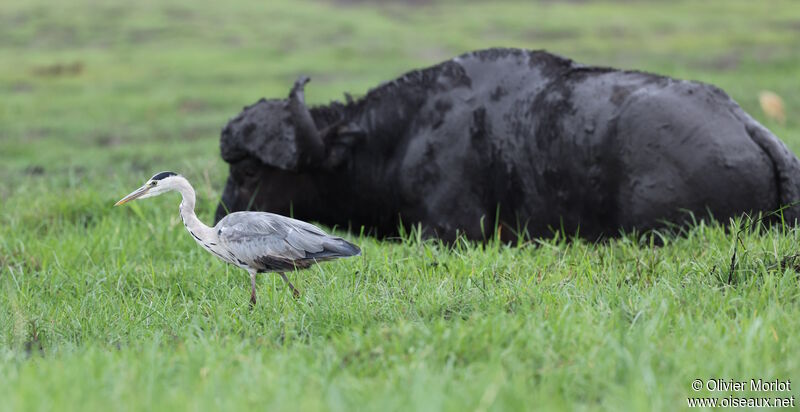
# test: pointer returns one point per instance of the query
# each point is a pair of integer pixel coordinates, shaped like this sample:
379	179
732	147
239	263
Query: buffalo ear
339	139
346	134
310	146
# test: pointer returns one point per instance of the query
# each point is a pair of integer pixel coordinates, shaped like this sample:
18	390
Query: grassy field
107	308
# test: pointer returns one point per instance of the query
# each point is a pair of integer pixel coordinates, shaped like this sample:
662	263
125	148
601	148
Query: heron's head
160	183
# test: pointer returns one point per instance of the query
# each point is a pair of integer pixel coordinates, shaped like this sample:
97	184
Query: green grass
107	308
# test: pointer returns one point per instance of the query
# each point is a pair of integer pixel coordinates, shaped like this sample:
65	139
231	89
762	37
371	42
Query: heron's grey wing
273	242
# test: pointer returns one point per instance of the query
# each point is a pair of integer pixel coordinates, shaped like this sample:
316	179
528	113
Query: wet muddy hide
513	138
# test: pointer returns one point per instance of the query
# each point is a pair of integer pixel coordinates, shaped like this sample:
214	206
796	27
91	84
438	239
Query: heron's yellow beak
134	195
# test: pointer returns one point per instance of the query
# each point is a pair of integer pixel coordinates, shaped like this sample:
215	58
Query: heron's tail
335	247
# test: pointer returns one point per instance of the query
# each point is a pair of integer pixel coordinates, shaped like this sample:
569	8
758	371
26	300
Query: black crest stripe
162	175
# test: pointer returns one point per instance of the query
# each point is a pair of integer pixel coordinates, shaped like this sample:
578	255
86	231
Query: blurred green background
156	80
105	308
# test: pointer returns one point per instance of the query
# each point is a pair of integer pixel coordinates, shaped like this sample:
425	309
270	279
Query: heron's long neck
190	220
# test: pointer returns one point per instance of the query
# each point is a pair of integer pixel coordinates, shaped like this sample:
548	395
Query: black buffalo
530	138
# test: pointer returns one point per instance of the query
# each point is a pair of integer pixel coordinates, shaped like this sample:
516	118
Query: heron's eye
153	183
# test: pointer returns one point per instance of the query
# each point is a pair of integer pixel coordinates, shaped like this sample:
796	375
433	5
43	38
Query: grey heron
255	241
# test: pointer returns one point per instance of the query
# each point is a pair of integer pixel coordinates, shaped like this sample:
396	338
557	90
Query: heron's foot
252	299
295	292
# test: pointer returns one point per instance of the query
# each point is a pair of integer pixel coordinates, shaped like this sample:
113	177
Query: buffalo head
277	153
280	133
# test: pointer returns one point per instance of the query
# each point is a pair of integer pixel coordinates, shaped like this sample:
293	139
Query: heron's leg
252	288
295	292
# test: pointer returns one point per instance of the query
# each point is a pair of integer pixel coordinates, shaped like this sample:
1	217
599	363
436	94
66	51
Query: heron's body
255	241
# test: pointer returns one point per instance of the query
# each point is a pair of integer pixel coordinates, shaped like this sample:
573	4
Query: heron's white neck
190	220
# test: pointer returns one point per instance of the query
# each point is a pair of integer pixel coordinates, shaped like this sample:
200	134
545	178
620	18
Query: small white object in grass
772	105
